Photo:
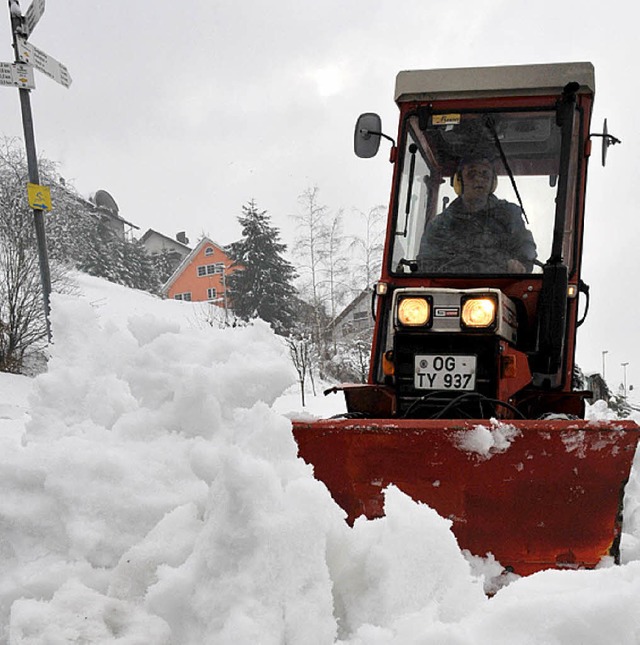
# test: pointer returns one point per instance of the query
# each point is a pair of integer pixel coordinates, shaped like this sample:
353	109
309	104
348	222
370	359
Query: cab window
477	193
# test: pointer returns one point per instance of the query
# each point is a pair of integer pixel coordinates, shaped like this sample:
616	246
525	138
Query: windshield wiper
491	126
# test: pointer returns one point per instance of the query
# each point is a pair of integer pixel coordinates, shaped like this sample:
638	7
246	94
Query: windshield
477	193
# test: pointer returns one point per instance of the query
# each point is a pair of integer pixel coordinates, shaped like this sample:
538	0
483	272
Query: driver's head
475	179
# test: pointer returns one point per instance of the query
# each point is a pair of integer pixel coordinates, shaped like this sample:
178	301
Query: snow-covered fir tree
261	287
164	264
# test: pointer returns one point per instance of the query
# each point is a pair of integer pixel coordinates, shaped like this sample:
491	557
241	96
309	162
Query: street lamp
624	367
604	353
224	294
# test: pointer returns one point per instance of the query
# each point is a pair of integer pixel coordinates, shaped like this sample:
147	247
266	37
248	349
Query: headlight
479	312
413	312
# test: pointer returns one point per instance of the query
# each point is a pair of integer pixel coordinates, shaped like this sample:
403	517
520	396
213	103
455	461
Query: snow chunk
78	614
406	564
490	571
486	441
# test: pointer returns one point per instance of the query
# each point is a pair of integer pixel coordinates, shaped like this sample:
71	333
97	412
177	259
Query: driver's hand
515	266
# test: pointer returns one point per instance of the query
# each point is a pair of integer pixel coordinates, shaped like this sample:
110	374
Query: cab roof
476	82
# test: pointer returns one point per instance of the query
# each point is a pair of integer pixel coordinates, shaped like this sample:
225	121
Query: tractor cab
470	405
477	308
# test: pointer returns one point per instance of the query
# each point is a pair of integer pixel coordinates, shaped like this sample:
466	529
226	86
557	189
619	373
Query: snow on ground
151	494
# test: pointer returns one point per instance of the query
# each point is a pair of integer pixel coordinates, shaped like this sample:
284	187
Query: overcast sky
184	111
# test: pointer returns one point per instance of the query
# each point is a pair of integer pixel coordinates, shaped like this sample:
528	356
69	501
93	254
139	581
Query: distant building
598	386
105	208
201	275
102	207
175	250
354	321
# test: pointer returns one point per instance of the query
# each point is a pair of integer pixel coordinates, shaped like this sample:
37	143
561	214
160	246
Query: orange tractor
471	405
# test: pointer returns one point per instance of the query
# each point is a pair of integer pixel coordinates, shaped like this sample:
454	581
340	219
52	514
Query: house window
219	267
207	269
183	296
212	293
361	320
209	251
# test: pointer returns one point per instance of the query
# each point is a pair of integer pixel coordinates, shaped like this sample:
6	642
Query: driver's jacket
484	241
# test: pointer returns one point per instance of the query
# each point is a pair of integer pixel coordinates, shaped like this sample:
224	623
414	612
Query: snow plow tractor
471	405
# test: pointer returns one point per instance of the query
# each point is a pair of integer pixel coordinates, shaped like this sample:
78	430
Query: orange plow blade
536	494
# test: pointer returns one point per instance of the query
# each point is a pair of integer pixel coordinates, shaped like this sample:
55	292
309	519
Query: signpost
33	14
20	75
44	63
17	75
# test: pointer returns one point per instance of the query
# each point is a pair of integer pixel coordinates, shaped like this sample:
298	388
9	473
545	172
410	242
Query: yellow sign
445	119
39	197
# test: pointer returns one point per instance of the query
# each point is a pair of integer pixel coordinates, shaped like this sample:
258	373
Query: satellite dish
104	199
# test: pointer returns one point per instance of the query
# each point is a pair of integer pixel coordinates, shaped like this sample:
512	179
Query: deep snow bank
154	496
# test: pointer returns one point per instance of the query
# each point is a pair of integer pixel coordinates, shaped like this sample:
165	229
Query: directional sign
6	74
39	196
44	63
17	75
33	14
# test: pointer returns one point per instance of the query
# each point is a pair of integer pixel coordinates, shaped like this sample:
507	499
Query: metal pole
224	287
32	167
604	353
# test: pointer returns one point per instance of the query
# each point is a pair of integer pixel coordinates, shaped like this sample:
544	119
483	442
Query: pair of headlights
477	313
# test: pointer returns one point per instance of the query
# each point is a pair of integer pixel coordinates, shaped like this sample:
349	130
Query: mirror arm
367	133
394	149
611	140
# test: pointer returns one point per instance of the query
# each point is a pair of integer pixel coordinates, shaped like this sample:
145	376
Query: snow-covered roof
151	232
350	307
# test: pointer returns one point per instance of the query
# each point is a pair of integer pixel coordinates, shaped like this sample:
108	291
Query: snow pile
487	441
152	494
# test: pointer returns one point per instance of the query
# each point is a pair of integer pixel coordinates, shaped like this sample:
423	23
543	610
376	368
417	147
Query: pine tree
139	268
261	287
164	264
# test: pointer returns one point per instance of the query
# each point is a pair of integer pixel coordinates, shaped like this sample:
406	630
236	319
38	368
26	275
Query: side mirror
366	138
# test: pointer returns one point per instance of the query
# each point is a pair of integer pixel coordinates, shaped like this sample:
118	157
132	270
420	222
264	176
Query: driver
477	232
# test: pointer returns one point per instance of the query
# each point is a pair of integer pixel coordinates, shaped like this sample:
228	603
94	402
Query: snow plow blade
536	494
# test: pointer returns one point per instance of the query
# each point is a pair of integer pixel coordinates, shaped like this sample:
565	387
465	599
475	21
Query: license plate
445	372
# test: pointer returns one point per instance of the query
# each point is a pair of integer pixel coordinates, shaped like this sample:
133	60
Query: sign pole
17	28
